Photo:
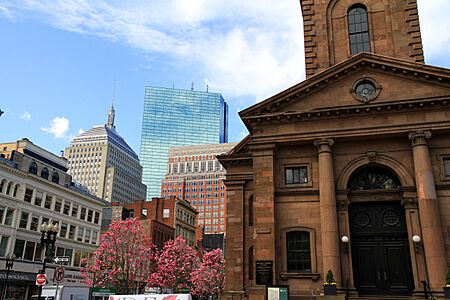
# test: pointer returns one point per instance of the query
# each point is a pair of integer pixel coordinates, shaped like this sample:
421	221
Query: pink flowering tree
209	278
130	254
175	264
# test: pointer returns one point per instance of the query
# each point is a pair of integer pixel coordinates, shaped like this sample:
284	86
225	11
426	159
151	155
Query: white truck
64	293
152	297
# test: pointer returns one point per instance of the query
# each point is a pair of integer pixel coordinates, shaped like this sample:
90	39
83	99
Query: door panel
380	252
367	280
398	274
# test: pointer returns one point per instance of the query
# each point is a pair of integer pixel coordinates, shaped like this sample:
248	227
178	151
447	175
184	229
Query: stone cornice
229	160
351	132
352	110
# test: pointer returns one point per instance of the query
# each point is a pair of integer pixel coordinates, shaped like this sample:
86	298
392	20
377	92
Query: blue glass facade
174	117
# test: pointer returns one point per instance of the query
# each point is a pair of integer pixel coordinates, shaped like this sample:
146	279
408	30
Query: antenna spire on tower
111	112
114	93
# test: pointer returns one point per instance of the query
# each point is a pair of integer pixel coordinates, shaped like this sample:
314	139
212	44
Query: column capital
324	144
263	149
419	137
343	204
234	184
410	203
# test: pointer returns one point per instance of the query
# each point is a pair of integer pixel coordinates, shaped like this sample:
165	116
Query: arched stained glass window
358	28
373	178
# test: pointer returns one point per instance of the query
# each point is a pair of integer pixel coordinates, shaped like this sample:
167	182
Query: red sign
41	279
59	274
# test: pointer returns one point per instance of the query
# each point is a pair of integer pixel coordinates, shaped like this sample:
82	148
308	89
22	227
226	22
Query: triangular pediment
396	80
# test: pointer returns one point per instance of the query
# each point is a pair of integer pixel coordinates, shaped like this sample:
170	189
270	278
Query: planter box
330	290
447	292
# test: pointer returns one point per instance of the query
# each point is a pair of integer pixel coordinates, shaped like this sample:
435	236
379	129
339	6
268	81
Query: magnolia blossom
134	262
130	254
209	278
175	264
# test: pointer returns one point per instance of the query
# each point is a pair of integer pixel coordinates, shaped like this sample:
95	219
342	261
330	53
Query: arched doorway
380	250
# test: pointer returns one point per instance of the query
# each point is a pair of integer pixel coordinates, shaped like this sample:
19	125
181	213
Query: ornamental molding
371	156
324	144
410	203
347	111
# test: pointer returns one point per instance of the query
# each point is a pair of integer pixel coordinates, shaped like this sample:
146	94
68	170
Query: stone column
328	214
264	221
234	272
430	219
417	258
346	251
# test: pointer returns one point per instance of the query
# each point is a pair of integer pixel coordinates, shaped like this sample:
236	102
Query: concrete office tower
194	174
174	117
101	160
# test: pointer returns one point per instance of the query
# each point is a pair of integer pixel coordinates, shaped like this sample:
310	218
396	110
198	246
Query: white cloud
6	12
81	130
26	116
435	27
245	48
251	48
243	134
58	127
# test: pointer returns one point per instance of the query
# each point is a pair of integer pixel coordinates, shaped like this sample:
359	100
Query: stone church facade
348	170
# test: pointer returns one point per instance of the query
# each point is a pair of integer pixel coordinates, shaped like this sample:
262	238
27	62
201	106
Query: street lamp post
48	239
9	264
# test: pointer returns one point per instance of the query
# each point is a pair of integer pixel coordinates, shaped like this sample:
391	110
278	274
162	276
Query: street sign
41	279
59	274
61	259
106	267
102	292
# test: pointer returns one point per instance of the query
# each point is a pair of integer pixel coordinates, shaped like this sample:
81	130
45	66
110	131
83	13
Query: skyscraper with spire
102	161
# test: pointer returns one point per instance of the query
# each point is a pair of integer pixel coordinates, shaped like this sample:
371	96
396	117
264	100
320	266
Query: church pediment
363	80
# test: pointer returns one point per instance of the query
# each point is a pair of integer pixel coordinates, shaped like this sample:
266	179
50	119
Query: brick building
163	219
348	170
195	174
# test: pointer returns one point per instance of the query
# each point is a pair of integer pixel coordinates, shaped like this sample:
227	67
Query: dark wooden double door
380	250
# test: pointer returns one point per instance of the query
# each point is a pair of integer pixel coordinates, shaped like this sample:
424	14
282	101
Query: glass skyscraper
174	117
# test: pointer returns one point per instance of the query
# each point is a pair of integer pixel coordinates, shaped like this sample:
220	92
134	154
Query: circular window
362	219
391	218
365	90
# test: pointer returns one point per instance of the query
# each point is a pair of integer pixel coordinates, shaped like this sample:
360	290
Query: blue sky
59	59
